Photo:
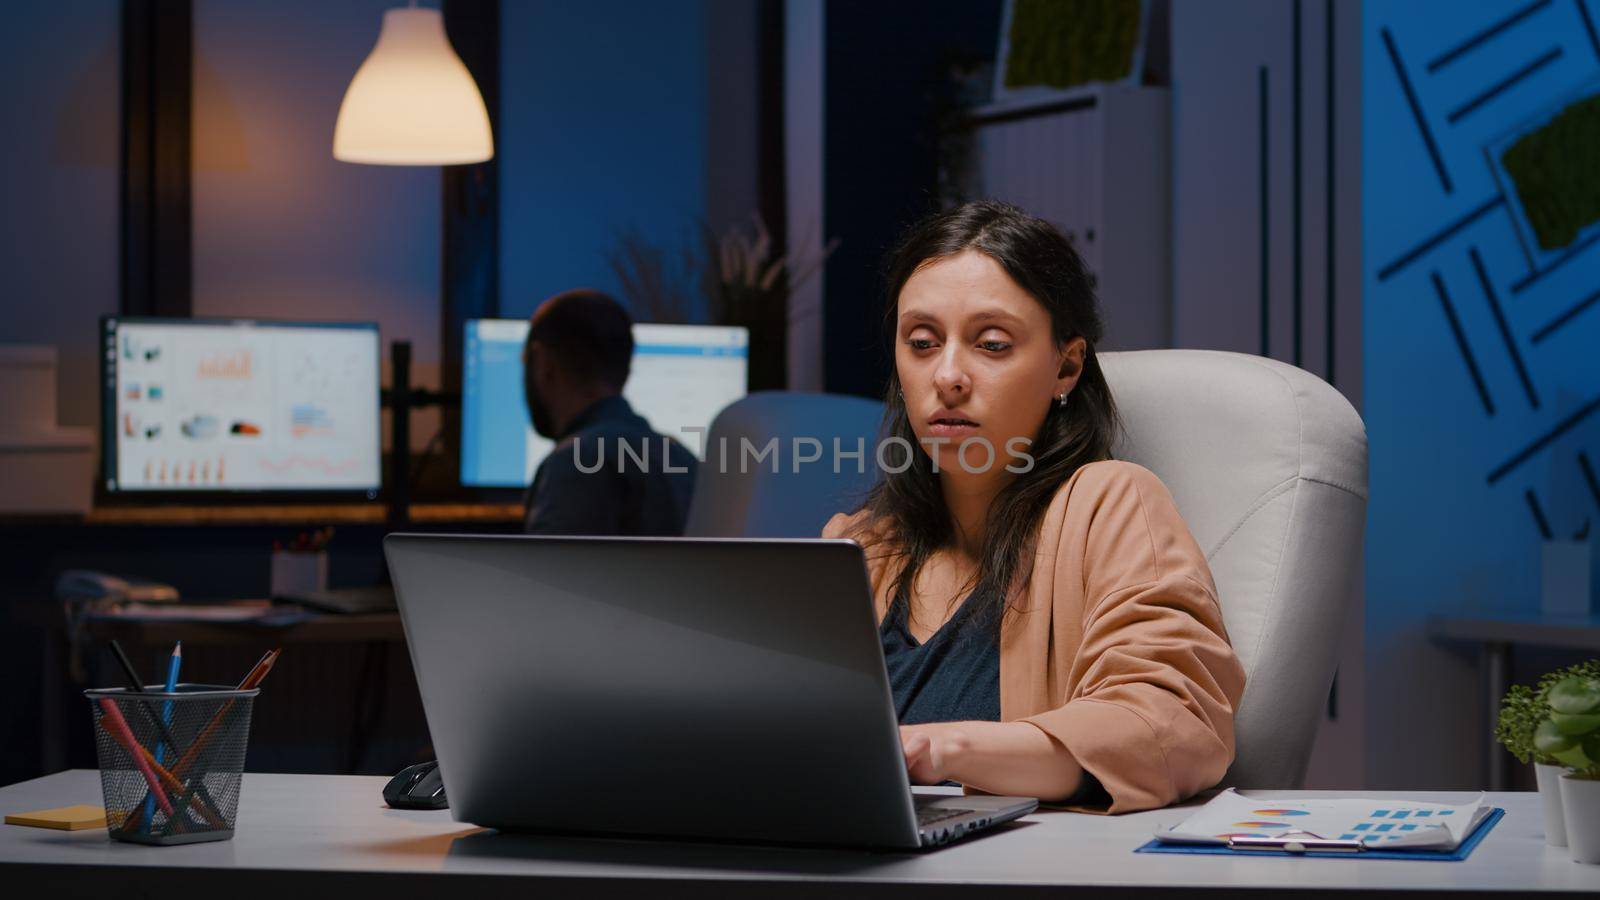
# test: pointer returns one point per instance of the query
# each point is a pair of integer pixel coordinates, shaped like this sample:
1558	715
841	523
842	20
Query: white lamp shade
412	102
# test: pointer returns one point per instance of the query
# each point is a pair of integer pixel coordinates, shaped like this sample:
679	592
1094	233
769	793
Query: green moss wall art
1047	46
1555	171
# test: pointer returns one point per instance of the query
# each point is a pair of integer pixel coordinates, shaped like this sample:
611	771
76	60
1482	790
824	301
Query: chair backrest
1268	465
785	503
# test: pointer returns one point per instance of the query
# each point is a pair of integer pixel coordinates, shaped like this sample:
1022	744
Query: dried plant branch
735	272
655	293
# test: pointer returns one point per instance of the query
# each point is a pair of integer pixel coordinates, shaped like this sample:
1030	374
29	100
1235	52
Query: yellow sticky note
67	818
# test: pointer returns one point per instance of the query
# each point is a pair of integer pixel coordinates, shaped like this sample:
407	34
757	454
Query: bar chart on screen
242	406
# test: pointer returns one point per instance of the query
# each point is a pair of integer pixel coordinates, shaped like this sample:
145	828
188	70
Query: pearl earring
1061	401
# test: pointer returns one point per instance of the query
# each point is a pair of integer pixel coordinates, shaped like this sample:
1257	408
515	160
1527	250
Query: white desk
304	836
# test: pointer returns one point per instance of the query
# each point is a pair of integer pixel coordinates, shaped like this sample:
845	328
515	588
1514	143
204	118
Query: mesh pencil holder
171	763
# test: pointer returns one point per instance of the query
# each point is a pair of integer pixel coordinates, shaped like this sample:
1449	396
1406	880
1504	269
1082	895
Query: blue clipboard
1462	851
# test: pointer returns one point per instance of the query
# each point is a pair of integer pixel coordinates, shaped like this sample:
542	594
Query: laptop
708	688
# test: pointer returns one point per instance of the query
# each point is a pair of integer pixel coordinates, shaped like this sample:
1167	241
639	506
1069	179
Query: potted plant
1522	710
1570	733
740	276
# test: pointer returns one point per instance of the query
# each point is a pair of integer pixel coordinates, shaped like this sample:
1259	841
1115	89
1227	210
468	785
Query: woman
1049	625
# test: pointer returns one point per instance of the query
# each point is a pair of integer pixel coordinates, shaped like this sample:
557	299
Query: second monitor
681	376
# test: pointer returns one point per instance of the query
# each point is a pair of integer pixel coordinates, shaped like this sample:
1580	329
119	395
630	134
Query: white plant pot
1580	803
1555	823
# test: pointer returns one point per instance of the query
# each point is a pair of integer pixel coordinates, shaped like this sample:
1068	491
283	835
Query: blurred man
609	473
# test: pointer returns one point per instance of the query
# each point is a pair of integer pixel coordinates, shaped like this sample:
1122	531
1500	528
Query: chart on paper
1373	822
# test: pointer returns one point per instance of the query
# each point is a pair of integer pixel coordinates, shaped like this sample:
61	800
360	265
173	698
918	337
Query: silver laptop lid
718	688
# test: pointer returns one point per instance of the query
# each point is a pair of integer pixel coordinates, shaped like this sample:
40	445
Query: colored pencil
188	791
118	729
176	788
257	674
135	686
166	719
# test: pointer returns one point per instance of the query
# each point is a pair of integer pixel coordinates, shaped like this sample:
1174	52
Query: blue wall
602	127
1452	528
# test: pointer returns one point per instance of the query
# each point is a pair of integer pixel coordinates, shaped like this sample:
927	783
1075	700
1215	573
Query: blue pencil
166	719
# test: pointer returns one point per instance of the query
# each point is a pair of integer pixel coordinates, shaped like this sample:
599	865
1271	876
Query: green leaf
1549	740
1575	695
1520	714
1572	758
1591	748
1581	724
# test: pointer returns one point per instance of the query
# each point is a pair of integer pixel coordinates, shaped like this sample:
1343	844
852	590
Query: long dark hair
907	517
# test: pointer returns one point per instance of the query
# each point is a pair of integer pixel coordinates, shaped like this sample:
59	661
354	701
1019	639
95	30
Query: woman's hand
1014	758
932	751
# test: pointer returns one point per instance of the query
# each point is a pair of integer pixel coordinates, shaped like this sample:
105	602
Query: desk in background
372	629
206	552
1497	634
332	836
423	515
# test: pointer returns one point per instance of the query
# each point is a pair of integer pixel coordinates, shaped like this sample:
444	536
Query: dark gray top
621	497
953	677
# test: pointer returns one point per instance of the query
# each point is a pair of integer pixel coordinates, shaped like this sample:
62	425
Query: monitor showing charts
681	376
195	405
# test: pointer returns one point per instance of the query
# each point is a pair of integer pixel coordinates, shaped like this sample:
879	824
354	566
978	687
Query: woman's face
977	359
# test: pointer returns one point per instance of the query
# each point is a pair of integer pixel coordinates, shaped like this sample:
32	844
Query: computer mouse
416	787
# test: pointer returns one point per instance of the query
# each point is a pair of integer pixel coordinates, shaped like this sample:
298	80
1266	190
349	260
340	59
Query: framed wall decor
1050	49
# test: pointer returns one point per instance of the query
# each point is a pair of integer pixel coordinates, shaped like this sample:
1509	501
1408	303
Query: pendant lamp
412	102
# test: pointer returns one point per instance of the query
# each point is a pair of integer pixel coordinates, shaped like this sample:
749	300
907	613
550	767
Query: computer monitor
207	405
681	376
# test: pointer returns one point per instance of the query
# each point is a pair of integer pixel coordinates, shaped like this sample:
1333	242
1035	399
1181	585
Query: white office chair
786	503
1268	465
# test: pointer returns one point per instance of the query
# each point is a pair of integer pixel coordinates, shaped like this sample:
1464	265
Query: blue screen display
494	416
681	377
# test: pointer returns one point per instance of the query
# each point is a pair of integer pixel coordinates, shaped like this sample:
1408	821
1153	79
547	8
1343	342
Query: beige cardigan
1115	647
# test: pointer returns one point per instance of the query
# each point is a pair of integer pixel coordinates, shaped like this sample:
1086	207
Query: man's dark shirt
652	499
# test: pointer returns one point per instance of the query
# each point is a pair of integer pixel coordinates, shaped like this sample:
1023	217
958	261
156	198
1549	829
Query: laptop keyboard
932	815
